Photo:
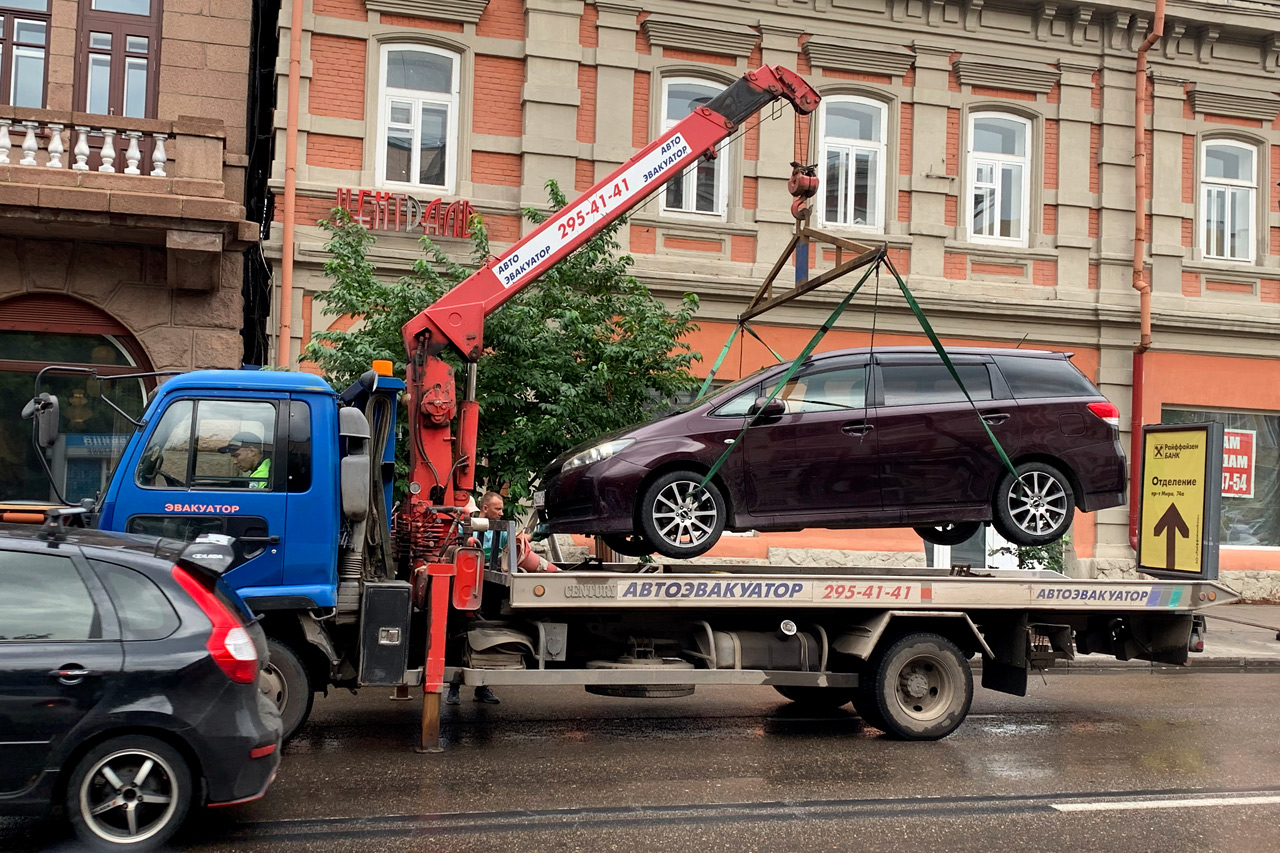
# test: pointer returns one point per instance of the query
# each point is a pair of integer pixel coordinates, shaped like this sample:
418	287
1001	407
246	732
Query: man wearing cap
246	452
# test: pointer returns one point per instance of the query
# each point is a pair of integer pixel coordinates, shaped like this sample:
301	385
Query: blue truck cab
275	460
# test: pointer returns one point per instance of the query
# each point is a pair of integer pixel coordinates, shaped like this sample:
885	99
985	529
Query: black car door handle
996	418
269	540
856	429
72	673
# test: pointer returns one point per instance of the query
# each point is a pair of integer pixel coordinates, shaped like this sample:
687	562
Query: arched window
703	187
44	330
418	116
999	178
1228	206
852	131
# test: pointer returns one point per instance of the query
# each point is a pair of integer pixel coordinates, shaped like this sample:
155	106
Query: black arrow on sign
1172	522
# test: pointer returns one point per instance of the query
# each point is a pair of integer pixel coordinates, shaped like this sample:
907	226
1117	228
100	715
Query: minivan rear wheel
681	517
1036	508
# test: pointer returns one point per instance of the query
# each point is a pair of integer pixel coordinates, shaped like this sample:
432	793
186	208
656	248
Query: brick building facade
123	232
990	146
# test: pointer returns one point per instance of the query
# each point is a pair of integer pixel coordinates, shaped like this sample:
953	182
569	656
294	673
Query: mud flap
1006	671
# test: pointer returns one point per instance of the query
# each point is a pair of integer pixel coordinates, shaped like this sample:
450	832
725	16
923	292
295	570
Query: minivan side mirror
44	408
764	408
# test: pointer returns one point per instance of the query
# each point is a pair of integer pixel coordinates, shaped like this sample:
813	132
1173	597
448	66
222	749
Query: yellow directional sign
1178	522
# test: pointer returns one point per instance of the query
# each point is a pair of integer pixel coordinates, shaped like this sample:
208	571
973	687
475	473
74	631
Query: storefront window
1251	493
93	435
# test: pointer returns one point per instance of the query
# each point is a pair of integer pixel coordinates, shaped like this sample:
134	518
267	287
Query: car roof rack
58	518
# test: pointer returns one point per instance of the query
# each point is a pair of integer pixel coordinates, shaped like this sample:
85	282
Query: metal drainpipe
1139	259
284	338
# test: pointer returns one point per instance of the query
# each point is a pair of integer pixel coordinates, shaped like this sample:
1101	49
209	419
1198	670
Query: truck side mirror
762	410
44	408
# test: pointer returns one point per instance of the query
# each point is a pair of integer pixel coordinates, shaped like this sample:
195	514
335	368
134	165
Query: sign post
1181	500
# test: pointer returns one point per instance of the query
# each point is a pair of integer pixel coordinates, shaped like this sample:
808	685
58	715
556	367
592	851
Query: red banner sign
1237	462
401	212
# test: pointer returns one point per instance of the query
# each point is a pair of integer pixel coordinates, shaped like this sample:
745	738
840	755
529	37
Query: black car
857	438
128	684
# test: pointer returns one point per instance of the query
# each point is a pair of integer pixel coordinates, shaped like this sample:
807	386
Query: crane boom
442	469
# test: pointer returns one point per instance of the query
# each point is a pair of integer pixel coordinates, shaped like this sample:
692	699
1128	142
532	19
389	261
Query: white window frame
974	158
689	177
1228	188
450	101
853	147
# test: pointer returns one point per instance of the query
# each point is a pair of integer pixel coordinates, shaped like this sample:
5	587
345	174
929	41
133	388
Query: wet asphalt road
741	769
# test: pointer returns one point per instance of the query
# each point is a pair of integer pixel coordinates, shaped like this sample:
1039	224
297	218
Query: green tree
1052	556
584	350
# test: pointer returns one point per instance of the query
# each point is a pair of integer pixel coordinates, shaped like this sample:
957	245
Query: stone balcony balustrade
123	180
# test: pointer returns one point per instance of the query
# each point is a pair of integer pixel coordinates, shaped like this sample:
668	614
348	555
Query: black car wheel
1036	508
680	517
948	534
284	681
129	793
628	546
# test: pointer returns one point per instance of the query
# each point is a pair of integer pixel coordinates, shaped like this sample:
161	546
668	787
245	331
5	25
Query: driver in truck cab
246	452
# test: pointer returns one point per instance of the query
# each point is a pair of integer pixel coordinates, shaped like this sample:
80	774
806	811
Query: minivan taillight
1107	411
229	643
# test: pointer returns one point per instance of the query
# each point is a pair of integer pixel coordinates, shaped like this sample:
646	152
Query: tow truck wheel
1035	509
920	688
680	517
817	698
948	534
284	681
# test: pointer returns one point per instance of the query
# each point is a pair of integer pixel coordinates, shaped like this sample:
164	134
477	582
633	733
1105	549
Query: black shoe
451	695
484	694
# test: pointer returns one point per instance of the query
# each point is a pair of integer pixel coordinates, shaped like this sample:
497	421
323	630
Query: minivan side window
827	391
1044	377
211	444
43	598
739	406
145	612
917	384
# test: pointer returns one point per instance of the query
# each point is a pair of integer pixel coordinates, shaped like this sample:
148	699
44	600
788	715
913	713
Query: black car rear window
144	610
1044	377
42	597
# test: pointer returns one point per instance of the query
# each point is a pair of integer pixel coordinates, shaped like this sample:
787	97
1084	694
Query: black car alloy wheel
129	793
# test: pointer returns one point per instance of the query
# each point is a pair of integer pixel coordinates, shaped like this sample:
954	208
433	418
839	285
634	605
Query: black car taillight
229	643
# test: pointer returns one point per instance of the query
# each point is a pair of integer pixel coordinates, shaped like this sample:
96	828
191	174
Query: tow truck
351	598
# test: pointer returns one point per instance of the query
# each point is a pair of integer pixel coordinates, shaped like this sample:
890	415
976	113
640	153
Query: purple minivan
858	438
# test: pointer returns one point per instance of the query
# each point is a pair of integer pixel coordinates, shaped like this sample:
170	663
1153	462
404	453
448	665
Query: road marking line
1166	804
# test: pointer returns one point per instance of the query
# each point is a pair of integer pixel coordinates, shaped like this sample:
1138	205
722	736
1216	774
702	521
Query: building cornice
997	72
1228	101
858	56
720	38
464	11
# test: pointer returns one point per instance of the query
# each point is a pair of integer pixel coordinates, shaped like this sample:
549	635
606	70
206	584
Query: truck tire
816	698
919	688
285	682
680	519
128	793
1038	514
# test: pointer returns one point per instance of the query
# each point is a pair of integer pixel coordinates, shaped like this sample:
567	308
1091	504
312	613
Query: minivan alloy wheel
1036	508
681	517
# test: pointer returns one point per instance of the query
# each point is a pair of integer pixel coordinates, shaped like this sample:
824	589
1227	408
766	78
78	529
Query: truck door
215	465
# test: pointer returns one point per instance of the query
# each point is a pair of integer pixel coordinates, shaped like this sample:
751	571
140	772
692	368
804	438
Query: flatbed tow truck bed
893	642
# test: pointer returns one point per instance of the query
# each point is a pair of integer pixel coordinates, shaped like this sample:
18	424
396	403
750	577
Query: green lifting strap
715	368
795	366
937	345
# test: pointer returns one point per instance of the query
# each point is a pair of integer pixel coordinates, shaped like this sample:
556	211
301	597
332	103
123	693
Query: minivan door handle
857	428
72	673
996	417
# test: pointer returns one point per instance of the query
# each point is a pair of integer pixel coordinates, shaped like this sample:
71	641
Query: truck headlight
599	453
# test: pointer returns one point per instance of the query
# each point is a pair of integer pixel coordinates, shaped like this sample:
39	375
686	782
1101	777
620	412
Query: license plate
539	500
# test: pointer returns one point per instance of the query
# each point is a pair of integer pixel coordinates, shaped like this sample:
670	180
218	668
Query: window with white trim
703	187
24	34
418	116
853	153
999	178
1228	207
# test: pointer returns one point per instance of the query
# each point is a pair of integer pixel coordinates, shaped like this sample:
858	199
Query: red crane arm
457	318
442	470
